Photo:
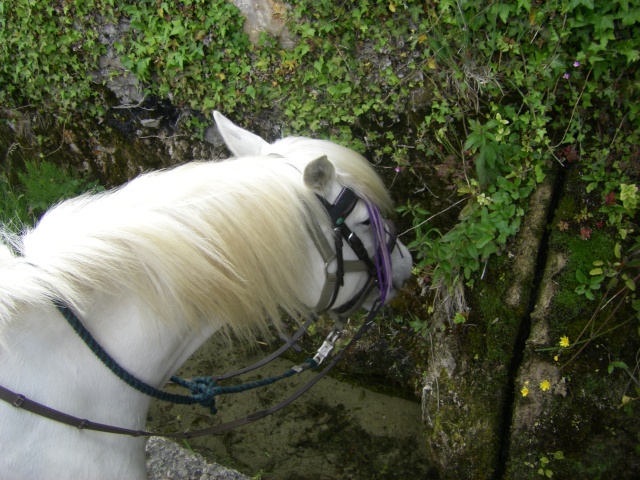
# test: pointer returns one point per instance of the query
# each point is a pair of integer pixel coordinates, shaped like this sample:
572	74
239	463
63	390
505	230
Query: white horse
153	269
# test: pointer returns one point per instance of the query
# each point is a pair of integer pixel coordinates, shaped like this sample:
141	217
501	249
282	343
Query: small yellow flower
524	391
545	385
556	357
564	341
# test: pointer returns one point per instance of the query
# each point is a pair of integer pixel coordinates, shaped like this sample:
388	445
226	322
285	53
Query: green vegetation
487	98
42	185
13	212
49	51
545	464
490	96
496	93
555	70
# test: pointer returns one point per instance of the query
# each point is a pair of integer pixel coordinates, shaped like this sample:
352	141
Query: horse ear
319	173
239	141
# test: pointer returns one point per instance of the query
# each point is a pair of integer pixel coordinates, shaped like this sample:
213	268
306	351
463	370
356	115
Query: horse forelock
202	242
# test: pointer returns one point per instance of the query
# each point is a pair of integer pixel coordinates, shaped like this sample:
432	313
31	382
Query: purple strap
382	256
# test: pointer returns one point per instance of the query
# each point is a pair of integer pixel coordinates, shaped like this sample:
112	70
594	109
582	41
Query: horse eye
366	222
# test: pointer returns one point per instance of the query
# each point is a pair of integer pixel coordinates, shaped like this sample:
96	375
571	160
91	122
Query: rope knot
203	390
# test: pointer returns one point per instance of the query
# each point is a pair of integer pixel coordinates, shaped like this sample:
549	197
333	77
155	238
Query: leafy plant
618	292
547	67
42	184
544	465
49	50
491	94
589	284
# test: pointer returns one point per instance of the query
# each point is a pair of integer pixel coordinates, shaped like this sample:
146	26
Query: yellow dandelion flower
564	341
545	385
524	391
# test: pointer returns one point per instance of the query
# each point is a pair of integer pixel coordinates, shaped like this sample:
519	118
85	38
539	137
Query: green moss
465	427
495	323
569	306
566	209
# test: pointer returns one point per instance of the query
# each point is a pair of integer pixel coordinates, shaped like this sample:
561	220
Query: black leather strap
291	342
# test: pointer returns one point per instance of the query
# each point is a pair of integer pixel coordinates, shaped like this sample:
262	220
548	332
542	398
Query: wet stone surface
335	431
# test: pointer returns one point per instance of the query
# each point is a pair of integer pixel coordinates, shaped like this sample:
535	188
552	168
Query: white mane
204	240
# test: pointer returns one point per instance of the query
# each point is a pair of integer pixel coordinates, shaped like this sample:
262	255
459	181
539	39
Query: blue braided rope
112	365
203	389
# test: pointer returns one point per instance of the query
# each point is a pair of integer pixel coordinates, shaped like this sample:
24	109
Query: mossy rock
466	385
111	152
575	413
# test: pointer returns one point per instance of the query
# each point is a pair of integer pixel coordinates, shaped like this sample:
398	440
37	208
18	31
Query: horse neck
47	362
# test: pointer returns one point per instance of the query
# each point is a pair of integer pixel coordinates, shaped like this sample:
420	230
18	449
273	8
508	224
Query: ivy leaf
303	49
632	55
208	103
575	3
307	31
624	5
178	28
605	22
503	11
631	17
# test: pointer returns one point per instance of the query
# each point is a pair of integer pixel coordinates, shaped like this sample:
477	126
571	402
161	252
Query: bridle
378	266
204	390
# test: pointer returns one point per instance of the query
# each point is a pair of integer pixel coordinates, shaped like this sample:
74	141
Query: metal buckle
20	399
327	346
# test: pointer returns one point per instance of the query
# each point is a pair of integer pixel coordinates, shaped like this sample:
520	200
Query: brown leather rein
24	403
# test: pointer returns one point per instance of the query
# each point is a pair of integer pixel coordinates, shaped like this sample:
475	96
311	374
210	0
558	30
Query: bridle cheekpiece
377	266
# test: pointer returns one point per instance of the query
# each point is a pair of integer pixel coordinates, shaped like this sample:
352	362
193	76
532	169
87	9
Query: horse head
363	263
